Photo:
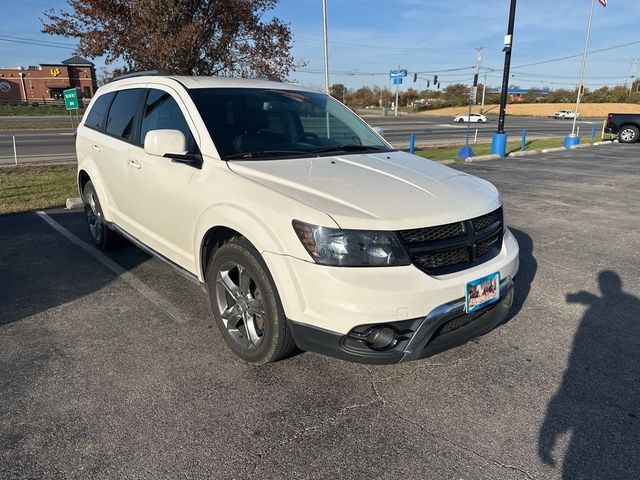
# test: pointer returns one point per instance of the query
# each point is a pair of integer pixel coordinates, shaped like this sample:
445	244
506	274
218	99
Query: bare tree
188	37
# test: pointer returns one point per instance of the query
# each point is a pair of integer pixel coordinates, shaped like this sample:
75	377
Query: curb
554	149
481	158
526	153
74	202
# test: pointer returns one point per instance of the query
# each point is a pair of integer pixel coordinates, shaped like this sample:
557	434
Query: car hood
383	191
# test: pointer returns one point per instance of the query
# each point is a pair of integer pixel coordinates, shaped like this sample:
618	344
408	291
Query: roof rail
142	73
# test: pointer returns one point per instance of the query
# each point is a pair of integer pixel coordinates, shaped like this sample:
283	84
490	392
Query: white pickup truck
565	115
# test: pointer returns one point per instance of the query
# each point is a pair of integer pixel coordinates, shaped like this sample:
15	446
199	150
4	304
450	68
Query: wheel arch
83	178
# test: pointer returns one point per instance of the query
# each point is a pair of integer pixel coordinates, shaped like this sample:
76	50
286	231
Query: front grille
455	246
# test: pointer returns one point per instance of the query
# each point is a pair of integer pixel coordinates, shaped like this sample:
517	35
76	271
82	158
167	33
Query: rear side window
161	111
95	117
121	121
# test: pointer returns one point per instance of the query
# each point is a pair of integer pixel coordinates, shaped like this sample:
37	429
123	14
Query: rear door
118	150
160	190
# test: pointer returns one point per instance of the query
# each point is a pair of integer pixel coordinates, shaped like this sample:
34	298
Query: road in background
36	146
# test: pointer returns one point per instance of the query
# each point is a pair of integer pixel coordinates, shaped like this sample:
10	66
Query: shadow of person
598	402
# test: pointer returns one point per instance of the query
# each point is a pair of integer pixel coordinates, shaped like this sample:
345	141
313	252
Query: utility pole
466	151
634	71
584	63
484	89
508	45
499	141
475	78
326	47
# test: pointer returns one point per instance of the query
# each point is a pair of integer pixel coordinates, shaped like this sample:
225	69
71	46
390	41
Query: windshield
252	123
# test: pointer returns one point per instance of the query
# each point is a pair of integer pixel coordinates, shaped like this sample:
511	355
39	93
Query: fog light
382	338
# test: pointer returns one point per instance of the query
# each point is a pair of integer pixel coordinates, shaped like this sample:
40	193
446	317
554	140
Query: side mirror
170	144
379	131
162	142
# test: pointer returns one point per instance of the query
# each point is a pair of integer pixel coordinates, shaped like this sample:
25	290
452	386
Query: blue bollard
593	133
499	144
523	142
412	143
571	141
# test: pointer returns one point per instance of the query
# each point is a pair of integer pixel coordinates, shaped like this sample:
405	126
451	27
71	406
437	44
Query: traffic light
475	80
415	77
435	79
429	84
438	85
581	90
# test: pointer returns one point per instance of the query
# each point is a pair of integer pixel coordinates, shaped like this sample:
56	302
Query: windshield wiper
264	154
347	148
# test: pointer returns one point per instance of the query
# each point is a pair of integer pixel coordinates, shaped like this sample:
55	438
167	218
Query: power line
559	59
37	43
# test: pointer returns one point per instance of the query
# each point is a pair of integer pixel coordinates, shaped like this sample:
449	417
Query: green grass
30	188
7	110
35	126
450	152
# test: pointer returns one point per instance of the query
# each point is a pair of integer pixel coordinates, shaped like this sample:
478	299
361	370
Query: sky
369	37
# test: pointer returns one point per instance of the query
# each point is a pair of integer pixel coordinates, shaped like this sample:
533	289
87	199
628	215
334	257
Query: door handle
97	148
134	164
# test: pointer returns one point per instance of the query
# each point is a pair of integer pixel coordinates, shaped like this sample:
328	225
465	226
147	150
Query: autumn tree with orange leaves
186	37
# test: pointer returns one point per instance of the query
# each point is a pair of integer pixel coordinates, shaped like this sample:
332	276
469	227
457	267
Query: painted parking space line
154	297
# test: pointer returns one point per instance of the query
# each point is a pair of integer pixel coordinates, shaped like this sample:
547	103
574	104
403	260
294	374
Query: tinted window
95	117
162	112
264	123
122	114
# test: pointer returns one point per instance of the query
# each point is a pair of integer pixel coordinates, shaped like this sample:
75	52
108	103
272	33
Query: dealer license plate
482	292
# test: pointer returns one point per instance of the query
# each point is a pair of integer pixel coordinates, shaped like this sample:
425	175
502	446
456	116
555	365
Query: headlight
351	248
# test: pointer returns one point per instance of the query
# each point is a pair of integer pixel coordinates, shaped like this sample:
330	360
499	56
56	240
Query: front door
160	190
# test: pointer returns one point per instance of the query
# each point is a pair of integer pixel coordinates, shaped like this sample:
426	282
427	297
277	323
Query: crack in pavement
379	399
465	448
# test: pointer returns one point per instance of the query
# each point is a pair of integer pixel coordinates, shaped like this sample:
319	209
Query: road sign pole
397	91
73	128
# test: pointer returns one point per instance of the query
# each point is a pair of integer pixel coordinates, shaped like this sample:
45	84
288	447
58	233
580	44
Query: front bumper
444	327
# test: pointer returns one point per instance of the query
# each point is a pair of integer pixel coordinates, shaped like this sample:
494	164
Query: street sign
397	73
397	81
71	99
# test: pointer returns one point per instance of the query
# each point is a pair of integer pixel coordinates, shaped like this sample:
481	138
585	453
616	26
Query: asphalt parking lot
114	369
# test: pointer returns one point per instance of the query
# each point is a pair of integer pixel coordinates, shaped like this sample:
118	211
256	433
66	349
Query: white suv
305	227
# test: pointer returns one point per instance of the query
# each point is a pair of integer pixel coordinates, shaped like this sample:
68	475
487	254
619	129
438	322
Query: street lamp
326	47
499	141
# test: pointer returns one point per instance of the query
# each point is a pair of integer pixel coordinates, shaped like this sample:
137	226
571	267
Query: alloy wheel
239	303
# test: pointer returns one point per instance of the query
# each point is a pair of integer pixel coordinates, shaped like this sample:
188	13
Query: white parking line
129	278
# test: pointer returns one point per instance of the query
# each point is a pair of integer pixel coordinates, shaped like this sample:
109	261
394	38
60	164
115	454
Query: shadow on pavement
598	401
526	272
40	269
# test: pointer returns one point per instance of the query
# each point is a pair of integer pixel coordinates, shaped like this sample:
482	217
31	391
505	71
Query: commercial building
46	82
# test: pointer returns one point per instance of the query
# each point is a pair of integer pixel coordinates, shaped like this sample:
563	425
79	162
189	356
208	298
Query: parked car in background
473	118
306	228
626	126
565	115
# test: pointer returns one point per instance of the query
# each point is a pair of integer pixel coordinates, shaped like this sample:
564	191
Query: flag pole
584	63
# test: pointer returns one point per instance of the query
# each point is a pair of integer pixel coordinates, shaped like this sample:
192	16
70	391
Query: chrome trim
442	314
182	271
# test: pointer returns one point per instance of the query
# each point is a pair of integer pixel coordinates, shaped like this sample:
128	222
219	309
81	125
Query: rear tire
246	305
103	237
628	134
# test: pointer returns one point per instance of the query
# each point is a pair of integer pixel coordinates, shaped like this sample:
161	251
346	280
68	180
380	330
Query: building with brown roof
46	81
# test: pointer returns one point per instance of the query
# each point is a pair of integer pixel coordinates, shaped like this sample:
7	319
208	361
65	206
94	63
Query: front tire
103	237
246	305
629	134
